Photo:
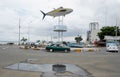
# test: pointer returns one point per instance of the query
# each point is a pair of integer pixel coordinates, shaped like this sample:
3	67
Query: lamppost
116	27
19	32
29	31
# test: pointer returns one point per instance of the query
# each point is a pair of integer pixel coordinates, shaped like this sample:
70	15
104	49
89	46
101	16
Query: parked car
57	47
75	45
112	48
90	45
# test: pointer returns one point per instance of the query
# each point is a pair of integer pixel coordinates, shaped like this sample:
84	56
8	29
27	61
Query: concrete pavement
98	63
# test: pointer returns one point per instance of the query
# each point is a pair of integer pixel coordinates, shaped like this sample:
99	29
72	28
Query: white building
94	29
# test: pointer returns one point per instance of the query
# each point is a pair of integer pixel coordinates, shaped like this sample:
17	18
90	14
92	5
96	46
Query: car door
59	47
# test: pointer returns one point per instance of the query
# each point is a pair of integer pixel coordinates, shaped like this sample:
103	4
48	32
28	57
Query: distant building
92	33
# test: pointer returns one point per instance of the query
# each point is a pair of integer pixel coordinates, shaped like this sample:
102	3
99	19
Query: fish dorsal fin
61	7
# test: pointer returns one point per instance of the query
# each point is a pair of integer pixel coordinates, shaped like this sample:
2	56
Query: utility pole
116	26
106	15
29	31
19	31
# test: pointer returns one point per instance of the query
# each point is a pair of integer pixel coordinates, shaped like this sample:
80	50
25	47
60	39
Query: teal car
57	47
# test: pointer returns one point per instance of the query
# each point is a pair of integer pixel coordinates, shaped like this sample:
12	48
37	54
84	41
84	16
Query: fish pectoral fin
53	16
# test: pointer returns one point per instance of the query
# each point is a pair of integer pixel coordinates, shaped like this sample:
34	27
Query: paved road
98	63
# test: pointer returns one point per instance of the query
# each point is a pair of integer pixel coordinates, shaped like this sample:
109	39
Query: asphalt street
97	63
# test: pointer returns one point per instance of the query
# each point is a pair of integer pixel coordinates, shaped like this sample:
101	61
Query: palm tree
78	39
24	40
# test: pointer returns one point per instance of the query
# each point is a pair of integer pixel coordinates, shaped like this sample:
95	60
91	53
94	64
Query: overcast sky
105	12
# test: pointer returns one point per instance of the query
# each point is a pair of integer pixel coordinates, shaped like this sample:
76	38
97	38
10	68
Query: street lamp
29	31
19	32
116	26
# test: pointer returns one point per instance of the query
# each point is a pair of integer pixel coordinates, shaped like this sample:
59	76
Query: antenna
106	13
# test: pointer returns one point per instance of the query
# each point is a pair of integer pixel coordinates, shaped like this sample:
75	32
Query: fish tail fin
43	14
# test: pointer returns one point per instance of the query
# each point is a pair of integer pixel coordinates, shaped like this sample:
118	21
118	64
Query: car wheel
116	51
66	51
51	50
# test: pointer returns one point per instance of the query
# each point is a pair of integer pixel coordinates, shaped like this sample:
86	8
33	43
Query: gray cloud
85	11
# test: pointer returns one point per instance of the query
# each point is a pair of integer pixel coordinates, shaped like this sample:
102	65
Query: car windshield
111	45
